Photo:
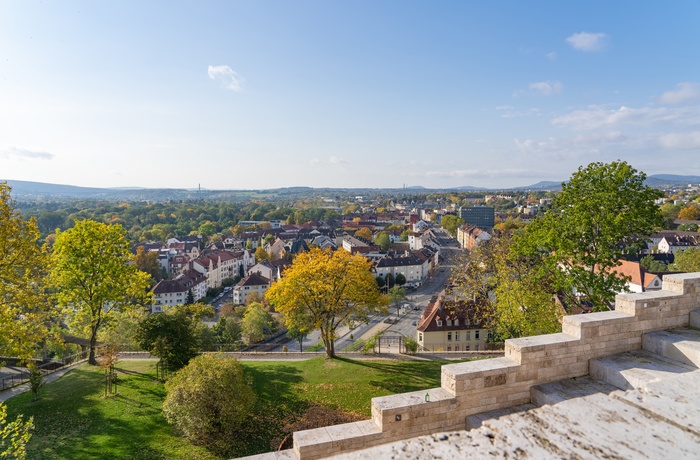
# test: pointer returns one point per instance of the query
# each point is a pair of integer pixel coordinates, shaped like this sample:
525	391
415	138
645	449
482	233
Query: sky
383	94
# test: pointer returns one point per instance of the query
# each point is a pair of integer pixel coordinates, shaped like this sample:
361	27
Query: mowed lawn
74	420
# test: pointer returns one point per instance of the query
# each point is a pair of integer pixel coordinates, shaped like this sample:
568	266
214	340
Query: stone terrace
619	348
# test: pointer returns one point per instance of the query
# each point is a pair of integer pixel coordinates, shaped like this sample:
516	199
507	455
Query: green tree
14	435
451	223
383	241
581	238
652	265
210	402
327	289
257	323
400	279
687	260
174	336
24	309
397	296
93	275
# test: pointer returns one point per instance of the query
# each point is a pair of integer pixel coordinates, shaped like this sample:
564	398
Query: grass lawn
73	419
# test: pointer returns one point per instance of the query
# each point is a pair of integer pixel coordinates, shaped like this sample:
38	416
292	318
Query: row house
270	269
677	242
448	325
469	236
175	291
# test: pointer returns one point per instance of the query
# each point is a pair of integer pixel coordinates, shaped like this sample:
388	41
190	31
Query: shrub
411	345
209	401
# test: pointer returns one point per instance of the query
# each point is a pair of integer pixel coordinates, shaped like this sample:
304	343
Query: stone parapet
474	387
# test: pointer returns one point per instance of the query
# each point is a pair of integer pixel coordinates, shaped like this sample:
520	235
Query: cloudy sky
265	94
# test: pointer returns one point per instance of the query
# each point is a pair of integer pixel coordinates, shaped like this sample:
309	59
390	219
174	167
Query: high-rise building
481	216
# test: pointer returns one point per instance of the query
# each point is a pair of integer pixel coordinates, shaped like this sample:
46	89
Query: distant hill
671	180
542	185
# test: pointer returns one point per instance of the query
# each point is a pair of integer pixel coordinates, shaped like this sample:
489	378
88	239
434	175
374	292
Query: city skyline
261	95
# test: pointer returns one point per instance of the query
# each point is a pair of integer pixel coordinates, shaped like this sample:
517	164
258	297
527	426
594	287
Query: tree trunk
93	341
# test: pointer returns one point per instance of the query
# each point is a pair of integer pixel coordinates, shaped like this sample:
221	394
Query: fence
46	368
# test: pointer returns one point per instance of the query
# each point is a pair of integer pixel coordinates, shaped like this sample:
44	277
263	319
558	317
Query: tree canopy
327	289
210	401
589	228
24	308
93	276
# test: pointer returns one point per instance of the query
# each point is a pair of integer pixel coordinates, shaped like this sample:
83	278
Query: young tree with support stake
93	276
330	289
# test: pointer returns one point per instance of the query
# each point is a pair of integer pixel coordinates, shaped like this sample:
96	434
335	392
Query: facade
251	283
174	291
481	216
449	326
469	236
412	267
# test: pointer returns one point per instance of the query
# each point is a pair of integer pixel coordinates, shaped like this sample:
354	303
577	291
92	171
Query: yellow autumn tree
326	289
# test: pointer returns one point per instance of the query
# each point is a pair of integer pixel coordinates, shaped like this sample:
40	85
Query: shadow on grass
402	376
75	421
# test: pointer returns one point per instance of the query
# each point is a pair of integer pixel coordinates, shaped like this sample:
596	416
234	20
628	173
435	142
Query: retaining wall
480	386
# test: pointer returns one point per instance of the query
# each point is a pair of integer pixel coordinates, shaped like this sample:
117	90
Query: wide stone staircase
637	404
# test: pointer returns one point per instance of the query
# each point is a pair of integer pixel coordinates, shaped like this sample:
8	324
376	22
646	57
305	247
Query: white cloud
684	92
596	117
588	42
552	56
681	141
226	76
547	87
25	154
337	161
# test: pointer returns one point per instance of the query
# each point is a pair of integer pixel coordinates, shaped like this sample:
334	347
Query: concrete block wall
480	386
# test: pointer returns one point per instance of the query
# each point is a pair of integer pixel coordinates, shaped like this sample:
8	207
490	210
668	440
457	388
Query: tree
687	260
581	238
174	335
383	241
397	296
450	222
93	276
261	254
364	233
148	262
14	435
380	282
209	401
400	279
327	289
24	309
689	212
652	265
257	323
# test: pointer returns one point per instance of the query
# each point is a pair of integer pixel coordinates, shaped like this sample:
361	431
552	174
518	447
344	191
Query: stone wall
480	386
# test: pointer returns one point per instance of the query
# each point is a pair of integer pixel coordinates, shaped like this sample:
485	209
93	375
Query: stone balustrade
479	386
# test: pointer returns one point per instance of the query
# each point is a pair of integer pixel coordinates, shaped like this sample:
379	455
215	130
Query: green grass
74	420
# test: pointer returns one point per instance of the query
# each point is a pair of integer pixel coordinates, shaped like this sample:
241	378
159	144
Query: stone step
695	319
477	420
564	390
635	369
678	344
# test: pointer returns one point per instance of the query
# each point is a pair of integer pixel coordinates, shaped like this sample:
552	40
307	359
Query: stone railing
479	386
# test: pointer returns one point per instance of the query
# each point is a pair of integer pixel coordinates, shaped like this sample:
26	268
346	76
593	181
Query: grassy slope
74	420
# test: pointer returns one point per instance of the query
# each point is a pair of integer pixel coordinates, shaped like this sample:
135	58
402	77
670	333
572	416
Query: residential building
254	282
412	267
174	291
447	325
469	236
638	279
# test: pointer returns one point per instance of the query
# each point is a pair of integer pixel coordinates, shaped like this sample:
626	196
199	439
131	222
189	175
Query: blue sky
263	94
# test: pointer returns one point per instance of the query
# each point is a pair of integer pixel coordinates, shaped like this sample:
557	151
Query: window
456	336
457	323
476	347
449	337
439	323
420	336
449	348
456	347
468	336
476	335
449	322
466	348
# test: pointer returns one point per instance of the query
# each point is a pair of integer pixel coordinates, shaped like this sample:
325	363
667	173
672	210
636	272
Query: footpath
23	388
